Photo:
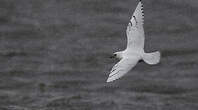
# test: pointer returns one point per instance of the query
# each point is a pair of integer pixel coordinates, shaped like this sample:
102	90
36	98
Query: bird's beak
113	56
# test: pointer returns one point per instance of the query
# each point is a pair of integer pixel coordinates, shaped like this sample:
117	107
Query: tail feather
152	58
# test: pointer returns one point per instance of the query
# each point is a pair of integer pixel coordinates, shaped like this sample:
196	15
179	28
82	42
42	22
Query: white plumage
135	47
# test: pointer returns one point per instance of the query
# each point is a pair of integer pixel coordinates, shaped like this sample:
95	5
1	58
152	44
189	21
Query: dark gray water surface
54	55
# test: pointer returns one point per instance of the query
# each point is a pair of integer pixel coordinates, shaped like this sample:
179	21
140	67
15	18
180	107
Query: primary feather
135	30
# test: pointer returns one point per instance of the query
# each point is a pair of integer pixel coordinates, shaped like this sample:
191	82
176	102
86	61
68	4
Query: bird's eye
114	55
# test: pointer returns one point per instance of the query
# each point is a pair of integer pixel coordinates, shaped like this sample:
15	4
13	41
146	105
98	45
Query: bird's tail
152	58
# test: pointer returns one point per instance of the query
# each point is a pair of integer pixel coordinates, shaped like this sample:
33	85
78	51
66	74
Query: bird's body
135	47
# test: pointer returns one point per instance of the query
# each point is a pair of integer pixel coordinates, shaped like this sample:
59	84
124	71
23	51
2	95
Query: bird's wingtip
109	80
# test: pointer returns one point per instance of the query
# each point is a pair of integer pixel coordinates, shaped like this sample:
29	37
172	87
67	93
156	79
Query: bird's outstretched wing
135	30
121	68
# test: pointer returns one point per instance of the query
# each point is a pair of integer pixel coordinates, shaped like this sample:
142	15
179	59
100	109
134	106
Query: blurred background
54	55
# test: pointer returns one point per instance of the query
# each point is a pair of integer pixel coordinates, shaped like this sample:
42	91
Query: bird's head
117	55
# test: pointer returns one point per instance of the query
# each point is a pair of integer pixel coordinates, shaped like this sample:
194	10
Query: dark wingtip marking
135	19
113	70
130	22
142	6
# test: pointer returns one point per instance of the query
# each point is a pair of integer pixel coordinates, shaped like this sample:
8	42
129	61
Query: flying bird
134	51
